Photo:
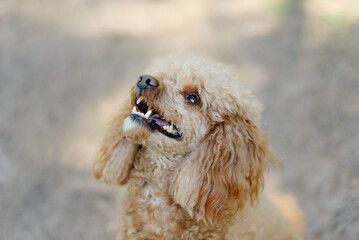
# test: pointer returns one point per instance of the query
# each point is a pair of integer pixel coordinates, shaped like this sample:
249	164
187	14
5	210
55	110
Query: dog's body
151	209
192	155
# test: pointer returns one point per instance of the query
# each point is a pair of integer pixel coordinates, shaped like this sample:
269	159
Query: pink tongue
158	121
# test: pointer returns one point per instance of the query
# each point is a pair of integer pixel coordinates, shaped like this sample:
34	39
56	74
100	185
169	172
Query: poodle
189	147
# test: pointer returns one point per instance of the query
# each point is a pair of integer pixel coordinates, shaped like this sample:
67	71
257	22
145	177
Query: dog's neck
152	213
154	168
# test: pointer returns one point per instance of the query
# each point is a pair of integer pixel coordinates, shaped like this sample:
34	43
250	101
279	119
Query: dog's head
188	107
171	106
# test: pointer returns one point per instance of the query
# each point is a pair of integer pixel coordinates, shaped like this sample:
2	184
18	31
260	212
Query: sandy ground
66	65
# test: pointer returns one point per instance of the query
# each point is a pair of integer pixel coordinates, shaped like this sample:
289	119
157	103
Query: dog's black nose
146	81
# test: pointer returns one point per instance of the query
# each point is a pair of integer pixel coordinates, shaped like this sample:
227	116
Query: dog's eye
192	98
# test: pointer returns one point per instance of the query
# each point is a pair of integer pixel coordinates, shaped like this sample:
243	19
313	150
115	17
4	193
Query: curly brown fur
205	183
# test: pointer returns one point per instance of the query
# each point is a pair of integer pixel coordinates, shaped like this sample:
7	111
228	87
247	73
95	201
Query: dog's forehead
195	72
181	77
182	69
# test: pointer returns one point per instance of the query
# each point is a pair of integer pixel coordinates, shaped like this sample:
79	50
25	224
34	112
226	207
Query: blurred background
65	66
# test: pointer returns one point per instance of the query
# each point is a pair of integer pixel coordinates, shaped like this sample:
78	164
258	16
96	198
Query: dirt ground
66	65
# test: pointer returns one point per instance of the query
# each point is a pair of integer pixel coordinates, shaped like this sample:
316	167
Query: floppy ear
115	157
225	171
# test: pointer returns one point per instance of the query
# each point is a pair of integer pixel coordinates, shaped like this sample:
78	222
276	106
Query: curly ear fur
115	157
226	171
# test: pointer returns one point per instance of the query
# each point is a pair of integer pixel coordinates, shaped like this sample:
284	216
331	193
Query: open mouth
146	113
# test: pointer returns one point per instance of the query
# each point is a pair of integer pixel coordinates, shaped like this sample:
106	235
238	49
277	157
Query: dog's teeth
134	110
139	100
170	129
148	114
